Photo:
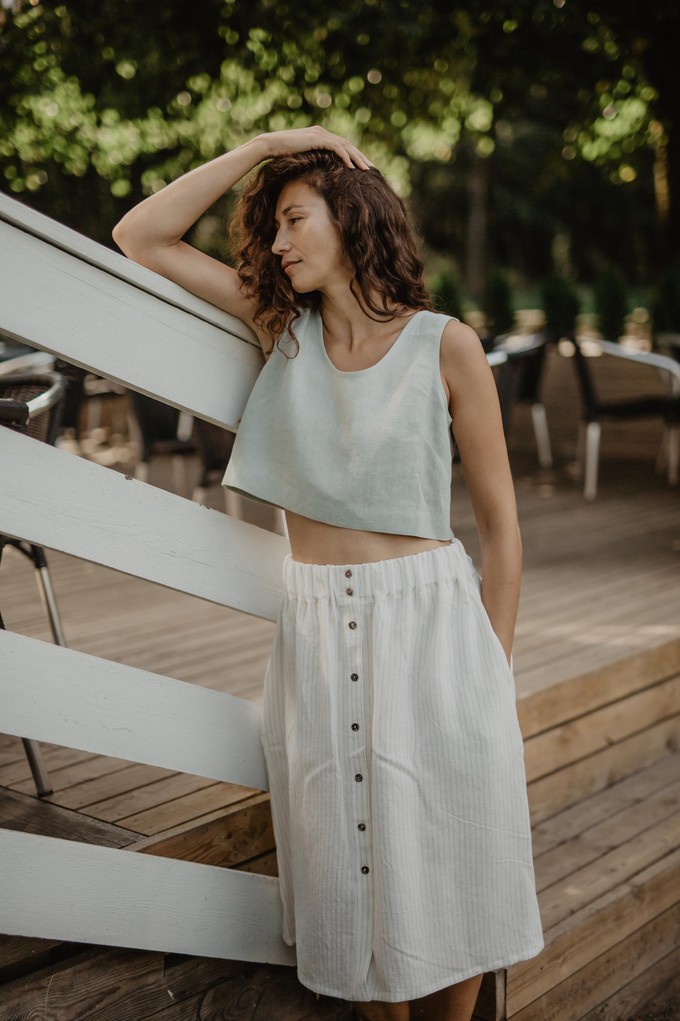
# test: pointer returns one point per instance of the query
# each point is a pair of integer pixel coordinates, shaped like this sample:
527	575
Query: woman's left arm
478	430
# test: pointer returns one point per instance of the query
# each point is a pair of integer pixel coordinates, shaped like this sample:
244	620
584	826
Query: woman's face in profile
307	241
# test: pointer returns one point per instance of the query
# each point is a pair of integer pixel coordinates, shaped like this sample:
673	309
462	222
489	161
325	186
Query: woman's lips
290	265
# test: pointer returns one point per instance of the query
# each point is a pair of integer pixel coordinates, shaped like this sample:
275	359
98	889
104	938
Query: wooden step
135	985
608	880
583	735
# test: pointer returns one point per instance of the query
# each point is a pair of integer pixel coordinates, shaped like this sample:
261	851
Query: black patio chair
519	382
157	427
595	410
89	391
214	446
31	403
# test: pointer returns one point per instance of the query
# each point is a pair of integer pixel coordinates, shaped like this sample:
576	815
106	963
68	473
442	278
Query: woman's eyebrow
288	209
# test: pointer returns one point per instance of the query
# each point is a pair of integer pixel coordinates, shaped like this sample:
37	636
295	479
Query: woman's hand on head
284	143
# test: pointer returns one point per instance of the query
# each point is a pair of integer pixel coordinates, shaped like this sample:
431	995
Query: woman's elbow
132	246
120	236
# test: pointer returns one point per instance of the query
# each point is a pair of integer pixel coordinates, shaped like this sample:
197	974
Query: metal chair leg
540	422
46	590
180	475
581	450
673	453
44	581
593	433
42	781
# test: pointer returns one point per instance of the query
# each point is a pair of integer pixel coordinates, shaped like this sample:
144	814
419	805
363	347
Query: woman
390	732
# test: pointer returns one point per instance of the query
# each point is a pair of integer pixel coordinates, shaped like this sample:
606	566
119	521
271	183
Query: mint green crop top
370	449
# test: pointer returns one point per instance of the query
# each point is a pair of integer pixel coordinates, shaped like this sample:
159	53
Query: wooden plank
121	983
594	843
55	694
558	703
595	928
128	985
265	864
589	987
86	769
83	509
19	812
62	889
104	796
621	796
134	790
586	883
217	797
560	746
653	584
239	833
637	994
20	956
50	299
36	224
556	791
65	766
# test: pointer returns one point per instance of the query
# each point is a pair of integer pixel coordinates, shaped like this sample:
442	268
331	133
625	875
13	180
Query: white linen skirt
396	770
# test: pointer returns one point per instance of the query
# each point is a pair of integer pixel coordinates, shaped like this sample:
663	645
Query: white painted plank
40	226
64	305
68	503
75	700
62	889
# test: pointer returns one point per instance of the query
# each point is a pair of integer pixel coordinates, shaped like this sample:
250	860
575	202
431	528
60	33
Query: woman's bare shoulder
461	348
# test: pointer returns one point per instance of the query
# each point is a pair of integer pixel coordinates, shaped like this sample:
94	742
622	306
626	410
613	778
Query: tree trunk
670	227
477	224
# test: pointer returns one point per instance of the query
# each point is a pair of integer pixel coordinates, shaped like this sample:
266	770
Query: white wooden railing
69	296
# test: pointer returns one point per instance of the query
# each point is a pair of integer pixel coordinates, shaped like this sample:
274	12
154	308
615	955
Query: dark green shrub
561	305
497	303
447	294
666	305
611	303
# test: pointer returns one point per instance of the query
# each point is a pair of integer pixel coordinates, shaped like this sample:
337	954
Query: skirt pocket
485	623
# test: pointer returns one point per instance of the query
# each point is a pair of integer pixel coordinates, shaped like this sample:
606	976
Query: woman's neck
345	319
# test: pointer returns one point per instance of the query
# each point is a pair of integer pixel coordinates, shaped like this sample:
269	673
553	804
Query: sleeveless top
370	449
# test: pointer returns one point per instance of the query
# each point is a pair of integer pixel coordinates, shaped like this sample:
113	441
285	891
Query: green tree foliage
123	96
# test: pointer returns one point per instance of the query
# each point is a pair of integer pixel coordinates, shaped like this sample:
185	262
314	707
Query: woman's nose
279	246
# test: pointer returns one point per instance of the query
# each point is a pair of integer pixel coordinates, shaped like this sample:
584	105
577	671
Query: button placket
356	758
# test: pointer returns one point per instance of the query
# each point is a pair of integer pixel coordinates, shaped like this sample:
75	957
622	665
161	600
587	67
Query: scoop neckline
368	368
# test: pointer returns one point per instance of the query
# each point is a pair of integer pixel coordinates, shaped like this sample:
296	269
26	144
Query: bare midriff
316	542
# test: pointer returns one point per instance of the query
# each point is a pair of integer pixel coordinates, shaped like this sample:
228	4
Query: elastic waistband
378	577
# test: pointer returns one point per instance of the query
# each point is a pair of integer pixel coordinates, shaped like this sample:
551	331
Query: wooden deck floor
601	582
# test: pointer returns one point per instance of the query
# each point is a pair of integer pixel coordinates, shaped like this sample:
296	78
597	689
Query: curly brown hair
376	233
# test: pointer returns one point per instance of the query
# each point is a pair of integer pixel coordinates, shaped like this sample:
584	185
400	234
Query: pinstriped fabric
396	771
